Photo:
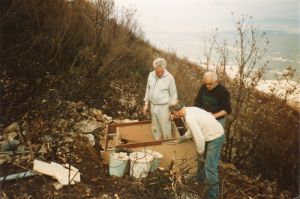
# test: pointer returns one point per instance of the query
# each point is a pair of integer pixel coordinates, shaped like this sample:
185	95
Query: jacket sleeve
147	97
225	101
199	139
173	90
198	102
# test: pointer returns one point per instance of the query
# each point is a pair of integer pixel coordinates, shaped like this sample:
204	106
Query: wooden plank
112	127
136	133
105	139
143	144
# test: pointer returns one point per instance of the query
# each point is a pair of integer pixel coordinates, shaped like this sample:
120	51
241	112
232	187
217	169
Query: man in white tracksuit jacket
208	135
160	92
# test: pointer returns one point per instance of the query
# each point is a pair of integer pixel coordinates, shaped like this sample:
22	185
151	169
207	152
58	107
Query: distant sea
283	50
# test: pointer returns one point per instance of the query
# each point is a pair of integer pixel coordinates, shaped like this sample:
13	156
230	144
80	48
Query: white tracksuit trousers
161	123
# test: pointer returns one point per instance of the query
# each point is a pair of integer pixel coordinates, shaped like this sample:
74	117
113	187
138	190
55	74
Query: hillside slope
55	51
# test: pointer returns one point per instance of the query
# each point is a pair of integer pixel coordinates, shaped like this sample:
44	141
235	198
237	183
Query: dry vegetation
262	131
74	50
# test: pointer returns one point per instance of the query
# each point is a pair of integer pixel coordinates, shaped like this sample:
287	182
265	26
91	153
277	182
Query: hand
145	109
172	117
181	139
212	114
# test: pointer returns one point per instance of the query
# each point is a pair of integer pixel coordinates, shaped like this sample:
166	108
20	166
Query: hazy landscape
282	52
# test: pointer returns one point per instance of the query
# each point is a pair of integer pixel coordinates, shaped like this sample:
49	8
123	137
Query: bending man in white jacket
208	135
160	92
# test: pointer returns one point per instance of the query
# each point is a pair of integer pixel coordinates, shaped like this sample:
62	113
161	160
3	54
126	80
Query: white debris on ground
120	156
65	174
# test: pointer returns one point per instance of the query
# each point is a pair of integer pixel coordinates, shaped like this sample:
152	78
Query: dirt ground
51	132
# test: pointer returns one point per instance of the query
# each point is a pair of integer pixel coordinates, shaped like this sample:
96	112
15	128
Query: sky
181	26
201	15
175	25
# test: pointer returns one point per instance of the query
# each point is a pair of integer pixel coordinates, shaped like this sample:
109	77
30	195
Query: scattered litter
10	145
5	158
88	126
12	135
13	127
107	118
17	176
91	139
68	140
62	173
57	185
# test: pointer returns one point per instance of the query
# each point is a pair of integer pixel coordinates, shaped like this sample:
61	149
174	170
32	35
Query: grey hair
176	107
160	62
211	74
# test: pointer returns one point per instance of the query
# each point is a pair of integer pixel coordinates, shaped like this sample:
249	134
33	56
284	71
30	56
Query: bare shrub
262	129
76	47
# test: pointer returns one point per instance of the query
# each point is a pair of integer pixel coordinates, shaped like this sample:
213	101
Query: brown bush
76	47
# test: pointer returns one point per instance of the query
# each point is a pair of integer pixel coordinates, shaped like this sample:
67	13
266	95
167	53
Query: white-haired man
208	135
160	92
213	97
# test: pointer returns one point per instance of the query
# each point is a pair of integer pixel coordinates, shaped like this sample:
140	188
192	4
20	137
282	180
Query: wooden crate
137	136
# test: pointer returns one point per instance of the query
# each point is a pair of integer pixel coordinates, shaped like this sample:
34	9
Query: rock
4	158
68	140
105	196
47	138
87	126
24	126
91	118
107	118
83	114
43	150
91	139
60	124
188	195
71	121
94	112
135	116
57	185
12	135
99	118
10	145
269	189
13	127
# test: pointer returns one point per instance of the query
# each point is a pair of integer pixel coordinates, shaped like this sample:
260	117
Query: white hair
160	62
211	74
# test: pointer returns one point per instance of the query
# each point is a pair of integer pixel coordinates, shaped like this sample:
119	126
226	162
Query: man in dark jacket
213	97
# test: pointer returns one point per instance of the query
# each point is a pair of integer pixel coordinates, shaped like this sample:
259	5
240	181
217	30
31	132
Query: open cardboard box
137	136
